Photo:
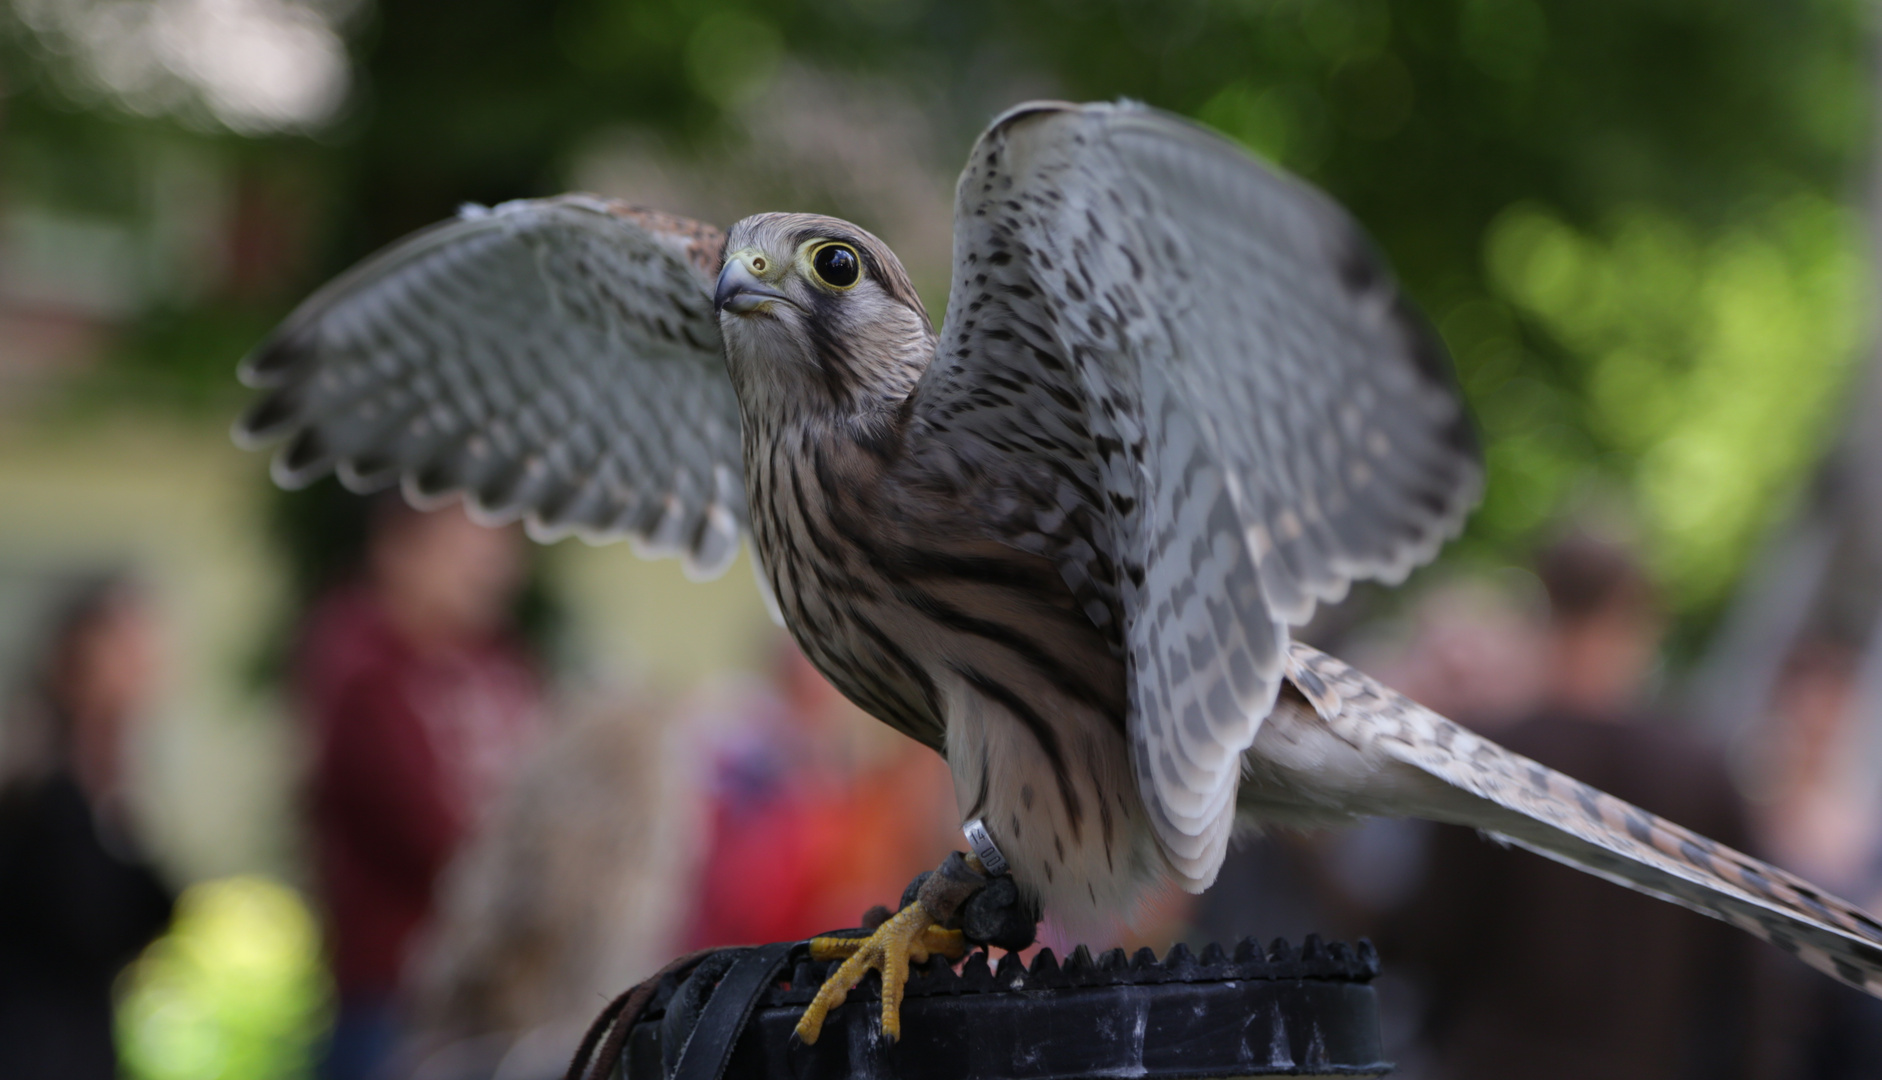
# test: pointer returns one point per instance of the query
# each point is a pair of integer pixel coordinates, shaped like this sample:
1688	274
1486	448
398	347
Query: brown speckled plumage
1177	401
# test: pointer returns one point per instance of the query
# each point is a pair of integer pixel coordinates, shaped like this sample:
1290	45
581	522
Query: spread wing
1518	800
1219	407
556	360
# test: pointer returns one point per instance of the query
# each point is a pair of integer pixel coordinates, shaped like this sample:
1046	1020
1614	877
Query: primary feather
557	360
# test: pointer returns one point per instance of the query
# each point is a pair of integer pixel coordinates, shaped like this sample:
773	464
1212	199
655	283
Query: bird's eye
837	265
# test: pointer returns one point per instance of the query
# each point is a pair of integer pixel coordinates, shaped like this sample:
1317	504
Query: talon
911	936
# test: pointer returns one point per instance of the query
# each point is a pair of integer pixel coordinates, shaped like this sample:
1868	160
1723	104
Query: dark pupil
836	265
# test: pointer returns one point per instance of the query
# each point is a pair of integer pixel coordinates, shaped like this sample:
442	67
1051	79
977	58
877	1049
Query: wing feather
555	360
1517	800
1219	406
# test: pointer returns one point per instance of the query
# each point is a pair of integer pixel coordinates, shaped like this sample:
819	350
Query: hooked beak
740	291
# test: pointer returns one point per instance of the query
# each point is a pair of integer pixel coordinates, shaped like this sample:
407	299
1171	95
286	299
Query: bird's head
819	315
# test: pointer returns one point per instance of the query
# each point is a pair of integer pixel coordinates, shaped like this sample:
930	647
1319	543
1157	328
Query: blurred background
369	790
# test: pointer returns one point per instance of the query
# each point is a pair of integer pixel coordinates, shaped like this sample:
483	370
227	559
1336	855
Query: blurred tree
1629	218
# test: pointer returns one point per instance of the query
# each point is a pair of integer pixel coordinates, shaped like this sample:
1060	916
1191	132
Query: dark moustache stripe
834	362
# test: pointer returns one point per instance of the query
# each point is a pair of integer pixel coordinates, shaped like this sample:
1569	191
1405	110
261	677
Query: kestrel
1176	402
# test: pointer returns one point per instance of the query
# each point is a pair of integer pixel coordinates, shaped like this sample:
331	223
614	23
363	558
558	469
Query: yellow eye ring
836	265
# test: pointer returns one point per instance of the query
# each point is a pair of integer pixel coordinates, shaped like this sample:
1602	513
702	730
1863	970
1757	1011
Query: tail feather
1557	816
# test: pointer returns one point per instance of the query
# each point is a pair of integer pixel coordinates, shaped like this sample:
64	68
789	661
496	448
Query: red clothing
795	850
409	745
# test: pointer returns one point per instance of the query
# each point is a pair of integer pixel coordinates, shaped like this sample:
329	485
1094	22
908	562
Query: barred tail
1515	799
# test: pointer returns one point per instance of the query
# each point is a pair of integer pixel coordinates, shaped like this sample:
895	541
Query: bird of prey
1176	402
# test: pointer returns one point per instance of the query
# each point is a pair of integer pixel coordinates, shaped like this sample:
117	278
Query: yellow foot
910	936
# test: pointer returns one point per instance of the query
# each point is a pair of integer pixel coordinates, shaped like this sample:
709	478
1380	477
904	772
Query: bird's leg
912	934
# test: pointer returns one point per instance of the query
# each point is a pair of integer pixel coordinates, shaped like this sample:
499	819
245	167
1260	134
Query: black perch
1255	1011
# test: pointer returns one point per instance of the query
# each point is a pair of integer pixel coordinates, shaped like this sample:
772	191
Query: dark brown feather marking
1042	733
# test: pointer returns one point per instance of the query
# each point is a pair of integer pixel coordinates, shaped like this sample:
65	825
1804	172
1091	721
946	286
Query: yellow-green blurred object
236	989
1715	359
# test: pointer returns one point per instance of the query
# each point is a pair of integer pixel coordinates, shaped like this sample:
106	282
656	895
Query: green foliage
1630	219
177	357
1711	360
1627	219
236	990
1625	216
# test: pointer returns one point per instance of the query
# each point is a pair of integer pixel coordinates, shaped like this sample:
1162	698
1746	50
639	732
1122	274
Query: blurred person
800	841
579	883
1815	810
1474	651
1814	805
421	700
78	900
1531	968
1473	648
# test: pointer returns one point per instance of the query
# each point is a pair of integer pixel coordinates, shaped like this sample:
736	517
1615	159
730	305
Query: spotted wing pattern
556	360
1517	800
1191	381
